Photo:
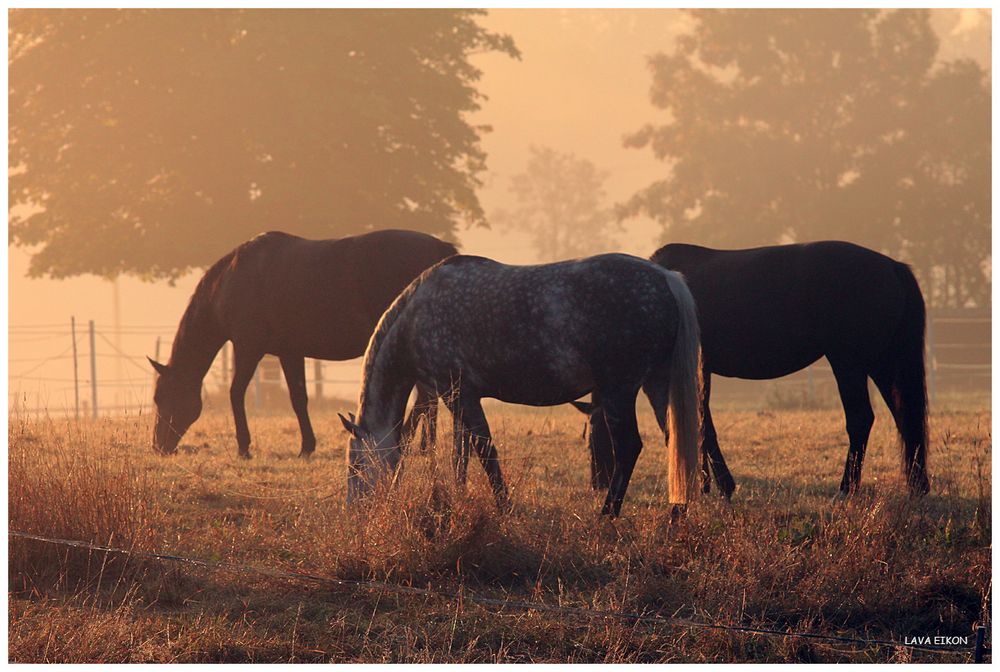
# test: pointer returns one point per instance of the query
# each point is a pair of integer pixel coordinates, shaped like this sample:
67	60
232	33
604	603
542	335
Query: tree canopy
152	141
804	125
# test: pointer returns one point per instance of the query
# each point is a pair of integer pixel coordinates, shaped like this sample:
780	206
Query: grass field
783	556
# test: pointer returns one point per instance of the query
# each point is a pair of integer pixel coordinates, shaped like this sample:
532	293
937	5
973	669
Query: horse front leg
295	377
428	403
425	406
463	448
244	364
473	433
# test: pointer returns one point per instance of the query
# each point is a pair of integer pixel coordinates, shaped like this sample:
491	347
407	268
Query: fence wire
951	356
976	652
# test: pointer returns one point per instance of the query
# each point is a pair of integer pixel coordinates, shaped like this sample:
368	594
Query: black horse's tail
909	383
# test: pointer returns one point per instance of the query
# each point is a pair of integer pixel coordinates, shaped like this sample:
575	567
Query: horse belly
762	366
536	392
756	356
529	380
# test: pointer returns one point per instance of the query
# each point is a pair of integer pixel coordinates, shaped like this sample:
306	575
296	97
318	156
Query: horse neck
197	341
386	388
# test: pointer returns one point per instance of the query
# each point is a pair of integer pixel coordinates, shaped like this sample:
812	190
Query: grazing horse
770	311
540	335
294	298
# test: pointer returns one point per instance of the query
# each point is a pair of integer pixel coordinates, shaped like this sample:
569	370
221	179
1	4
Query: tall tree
799	125
560	202
151	141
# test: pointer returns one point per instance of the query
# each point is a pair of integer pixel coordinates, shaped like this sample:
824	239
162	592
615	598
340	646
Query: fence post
93	370
980	641
256	389
931	364
318	374
156	352
76	371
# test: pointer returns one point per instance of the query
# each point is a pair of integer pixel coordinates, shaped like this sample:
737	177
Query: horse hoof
305	454
245	455
677	512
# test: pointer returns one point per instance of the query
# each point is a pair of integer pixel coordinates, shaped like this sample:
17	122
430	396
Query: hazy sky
581	84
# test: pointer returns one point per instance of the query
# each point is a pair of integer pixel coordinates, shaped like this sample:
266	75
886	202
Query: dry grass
782	556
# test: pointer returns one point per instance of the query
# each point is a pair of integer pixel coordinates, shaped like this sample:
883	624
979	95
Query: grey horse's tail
685	390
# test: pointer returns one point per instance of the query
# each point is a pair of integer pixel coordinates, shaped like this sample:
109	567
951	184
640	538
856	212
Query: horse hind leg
852	383
626	444
912	441
710	451
295	377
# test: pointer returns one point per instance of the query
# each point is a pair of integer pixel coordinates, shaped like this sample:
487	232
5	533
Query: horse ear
584	407
349	425
160	368
351	416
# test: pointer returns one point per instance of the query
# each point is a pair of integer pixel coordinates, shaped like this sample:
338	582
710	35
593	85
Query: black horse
770	311
542	335
294	298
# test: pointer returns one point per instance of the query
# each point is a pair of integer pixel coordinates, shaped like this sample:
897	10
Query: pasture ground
782	556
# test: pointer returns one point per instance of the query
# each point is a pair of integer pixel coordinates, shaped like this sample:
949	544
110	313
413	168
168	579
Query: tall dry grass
782	556
78	482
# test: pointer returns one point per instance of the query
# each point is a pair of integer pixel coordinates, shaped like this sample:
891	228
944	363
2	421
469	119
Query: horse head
369	458
178	405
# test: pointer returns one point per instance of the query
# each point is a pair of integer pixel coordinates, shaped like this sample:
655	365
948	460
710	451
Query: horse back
319	298
535	334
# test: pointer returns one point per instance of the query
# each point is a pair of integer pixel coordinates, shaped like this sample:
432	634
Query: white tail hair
685	395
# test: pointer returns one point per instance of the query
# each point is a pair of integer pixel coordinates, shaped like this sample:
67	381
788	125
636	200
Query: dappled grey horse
470	328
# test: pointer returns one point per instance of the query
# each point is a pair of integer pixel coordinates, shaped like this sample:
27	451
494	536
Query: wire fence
976	652
85	371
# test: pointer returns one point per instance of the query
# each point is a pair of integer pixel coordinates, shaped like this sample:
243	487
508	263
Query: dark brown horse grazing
471	328
294	298
770	311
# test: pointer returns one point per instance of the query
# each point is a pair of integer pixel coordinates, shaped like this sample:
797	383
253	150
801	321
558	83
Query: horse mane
193	320
388	319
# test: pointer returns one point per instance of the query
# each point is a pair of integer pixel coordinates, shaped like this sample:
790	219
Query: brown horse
287	296
770	311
